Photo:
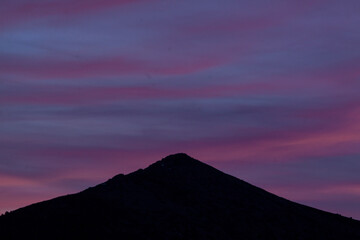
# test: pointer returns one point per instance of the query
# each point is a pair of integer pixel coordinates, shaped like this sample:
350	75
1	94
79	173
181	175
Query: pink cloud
80	95
7	180
78	68
316	191
340	136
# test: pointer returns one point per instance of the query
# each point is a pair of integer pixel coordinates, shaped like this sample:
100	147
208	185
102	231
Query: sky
265	90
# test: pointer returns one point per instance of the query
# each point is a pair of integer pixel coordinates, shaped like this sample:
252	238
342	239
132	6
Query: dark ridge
177	197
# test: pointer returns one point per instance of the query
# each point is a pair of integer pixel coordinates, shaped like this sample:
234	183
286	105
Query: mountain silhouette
177	197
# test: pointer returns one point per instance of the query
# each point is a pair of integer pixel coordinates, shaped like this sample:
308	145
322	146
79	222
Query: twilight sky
265	90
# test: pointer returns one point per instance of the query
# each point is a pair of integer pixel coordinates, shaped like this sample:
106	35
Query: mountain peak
178	161
177	155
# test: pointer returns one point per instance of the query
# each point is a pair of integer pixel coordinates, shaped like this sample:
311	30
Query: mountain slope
175	198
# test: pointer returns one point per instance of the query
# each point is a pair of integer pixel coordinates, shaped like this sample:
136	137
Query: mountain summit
177	197
181	163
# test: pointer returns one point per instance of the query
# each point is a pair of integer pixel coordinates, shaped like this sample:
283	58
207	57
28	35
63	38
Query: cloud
20	11
99	67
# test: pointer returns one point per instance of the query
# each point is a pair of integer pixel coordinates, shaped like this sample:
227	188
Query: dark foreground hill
175	198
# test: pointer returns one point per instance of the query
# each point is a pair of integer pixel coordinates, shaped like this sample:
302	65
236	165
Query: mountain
175	198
